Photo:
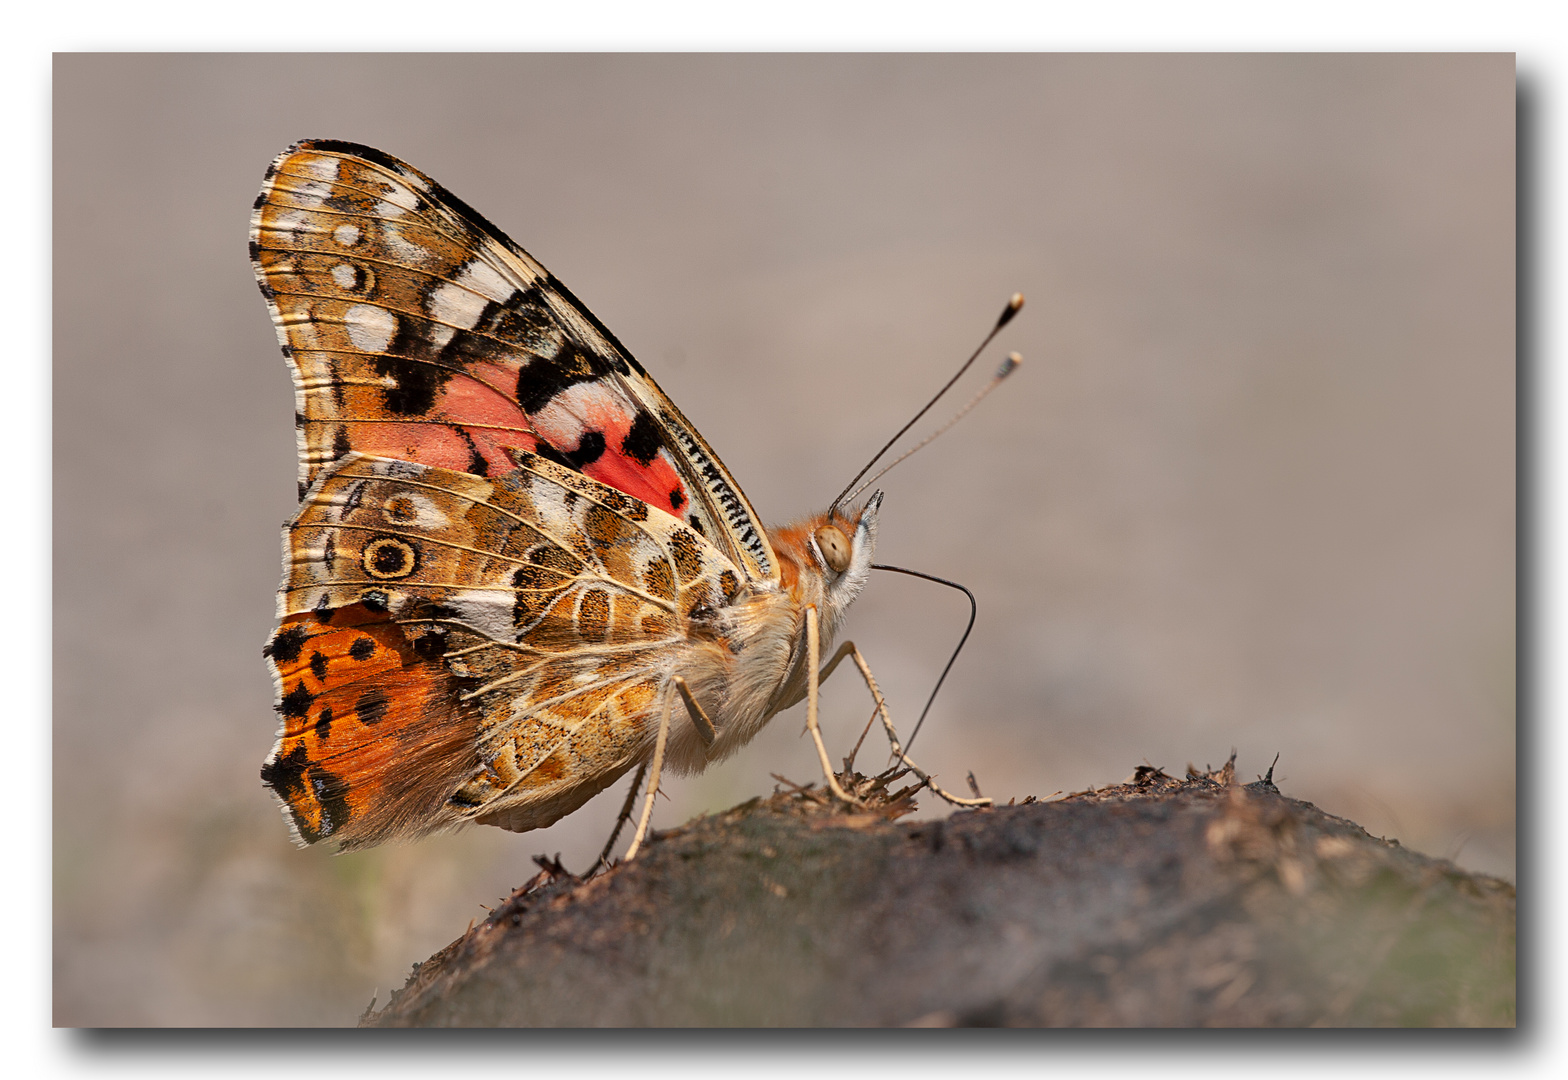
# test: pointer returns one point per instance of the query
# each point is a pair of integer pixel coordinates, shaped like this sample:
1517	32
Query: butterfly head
825	560
841	546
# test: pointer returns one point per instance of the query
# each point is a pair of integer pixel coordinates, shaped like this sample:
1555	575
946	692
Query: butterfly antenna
974	609
1016	302
1008	365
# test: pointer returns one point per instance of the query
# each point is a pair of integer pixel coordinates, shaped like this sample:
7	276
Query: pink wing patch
613	443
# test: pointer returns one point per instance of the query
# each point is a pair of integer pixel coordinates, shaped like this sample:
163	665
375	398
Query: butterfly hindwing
556	606
417	331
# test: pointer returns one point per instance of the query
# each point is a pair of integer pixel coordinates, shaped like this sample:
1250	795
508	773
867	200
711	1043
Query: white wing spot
345	275
312	193
412	253
439	335
413	179
324	167
386	209
347	235
484	278
370	328
487	610
581	407
451	303
291	222
399	196
550	506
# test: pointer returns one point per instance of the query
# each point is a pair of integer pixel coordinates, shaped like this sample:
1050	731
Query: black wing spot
296	703
371	708
677	498
285	646
340	443
318	666
541	379
389	558
324	723
590	448
551	454
416	384
642	442
362	649
284	774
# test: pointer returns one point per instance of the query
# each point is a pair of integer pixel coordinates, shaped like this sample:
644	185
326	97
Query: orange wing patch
375	737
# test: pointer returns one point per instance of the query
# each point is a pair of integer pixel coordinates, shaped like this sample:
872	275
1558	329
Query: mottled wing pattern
418	331
558	605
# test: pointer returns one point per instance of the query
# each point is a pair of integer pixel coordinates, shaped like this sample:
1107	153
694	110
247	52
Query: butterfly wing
543	610
374	735
418	331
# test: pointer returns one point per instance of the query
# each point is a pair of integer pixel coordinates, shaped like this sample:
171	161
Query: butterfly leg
699	719
827	669
653	783
813	660
892	735
621	819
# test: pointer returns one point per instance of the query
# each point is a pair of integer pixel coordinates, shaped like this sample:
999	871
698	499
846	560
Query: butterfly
517	570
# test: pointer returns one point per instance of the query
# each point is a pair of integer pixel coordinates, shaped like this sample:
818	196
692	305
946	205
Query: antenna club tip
1012	361
1013	304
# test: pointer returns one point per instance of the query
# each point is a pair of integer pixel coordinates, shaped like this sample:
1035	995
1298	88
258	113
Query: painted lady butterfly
512	553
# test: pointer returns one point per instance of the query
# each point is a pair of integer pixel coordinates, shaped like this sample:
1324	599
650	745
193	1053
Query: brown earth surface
1156	902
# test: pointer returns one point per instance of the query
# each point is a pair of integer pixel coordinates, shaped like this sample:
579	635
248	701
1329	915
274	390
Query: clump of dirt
1157	901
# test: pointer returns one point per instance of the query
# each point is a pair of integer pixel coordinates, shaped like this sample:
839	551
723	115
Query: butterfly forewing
418	331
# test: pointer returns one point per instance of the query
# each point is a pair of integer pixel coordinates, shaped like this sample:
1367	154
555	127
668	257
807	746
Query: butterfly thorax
760	667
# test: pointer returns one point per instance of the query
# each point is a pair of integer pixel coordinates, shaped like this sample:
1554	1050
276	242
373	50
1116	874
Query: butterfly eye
834	546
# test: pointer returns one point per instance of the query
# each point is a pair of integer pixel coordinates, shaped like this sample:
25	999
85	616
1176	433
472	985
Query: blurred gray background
1254	487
